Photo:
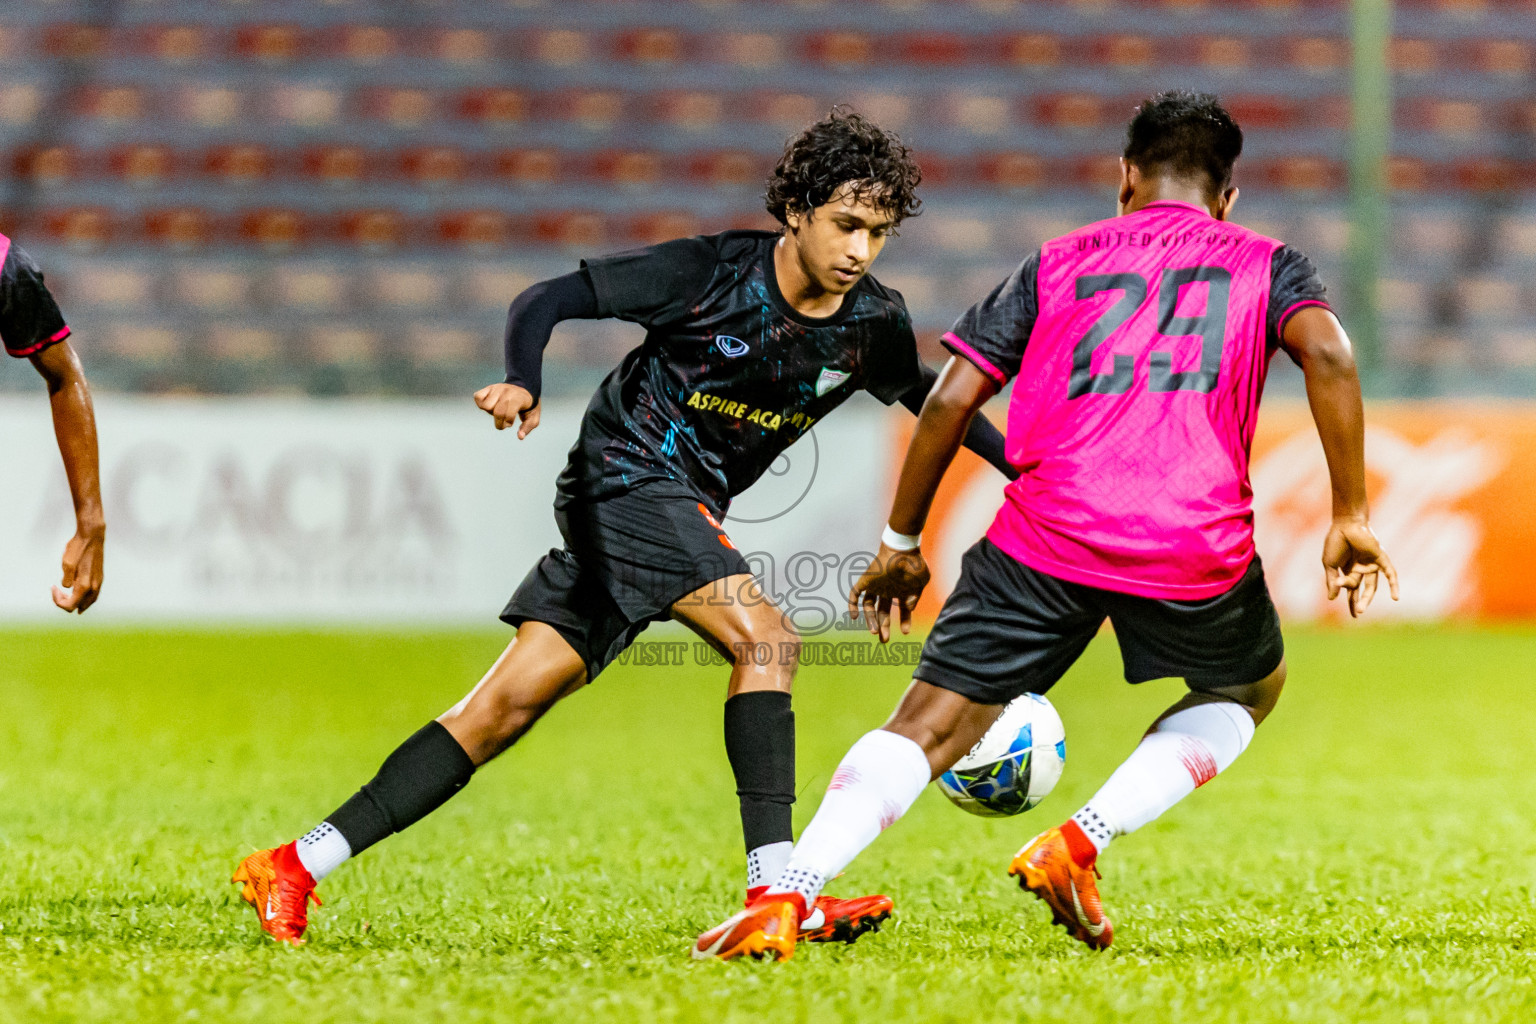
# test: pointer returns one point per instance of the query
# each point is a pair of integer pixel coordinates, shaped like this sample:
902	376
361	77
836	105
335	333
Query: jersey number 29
1211	326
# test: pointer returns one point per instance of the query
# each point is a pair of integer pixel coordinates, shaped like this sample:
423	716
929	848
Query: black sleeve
981	436
30	320
1293	285
532	319
992	334
656	285
892	367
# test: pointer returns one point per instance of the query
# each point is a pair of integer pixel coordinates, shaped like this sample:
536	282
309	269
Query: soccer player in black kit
31	327
752	337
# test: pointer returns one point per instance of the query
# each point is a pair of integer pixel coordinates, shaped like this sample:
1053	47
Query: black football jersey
729	374
30	320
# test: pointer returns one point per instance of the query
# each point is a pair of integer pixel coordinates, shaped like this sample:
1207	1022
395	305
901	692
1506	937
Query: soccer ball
1015	765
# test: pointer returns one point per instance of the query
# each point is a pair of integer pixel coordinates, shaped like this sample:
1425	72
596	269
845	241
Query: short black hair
1185	135
842	148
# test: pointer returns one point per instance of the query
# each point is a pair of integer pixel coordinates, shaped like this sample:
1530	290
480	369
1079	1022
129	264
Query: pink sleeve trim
1304	303
959	344
33	350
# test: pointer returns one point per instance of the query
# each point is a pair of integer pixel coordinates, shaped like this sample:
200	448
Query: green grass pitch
1369	859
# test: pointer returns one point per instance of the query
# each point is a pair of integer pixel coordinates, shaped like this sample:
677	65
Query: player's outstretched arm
530	322
897	577
1352	556
74	424
981	436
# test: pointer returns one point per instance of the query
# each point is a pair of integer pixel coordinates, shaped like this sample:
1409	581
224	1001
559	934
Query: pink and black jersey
30	320
1140	346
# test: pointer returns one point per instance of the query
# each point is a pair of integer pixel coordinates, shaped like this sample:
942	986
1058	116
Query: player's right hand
1352	559
507	403
82	570
895	578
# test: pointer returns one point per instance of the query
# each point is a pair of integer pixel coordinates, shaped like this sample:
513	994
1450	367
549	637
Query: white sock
1182	753
766	863
878	780
322	850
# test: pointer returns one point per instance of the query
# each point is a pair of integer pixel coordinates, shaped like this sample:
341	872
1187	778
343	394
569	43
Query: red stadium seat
144	166
1012	170
628	169
1511	58
1458	119
786	111
1263	113
1414	57
75	42
276	230
1125	52
1318	55
83	228
270	44
661	226
655	47
373	229
1490	175
527	166
746	49
336	165
435	166
560	47
731	169
177	44
936	48
1224	54
122	104
464	46
691	111
594	110
364	44
1306	174
1033	50
1410	174
476	229
183	228
402	108
571	228
49	165
240	165
1079	111
840	49
494	107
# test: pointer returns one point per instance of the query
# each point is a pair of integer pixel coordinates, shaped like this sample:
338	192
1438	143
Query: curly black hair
845	148
1185	135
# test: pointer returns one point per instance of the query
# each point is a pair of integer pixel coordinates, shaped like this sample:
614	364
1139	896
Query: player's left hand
507	403
82	570
895	579
1352	560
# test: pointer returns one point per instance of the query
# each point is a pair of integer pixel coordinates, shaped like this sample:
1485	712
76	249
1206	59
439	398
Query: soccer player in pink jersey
1138	348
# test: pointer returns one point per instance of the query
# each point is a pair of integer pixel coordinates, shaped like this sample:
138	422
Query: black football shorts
1008	629
627	559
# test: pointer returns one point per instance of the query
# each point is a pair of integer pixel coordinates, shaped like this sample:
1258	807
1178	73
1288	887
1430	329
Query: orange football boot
767	927
1046	868
841	920
278	887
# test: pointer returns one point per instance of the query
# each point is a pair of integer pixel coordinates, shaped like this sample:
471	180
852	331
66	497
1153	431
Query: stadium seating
365	185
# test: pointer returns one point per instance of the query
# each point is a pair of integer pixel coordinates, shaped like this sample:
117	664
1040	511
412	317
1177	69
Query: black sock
760	741
414	781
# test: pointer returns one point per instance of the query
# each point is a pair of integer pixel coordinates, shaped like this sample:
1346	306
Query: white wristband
900	541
